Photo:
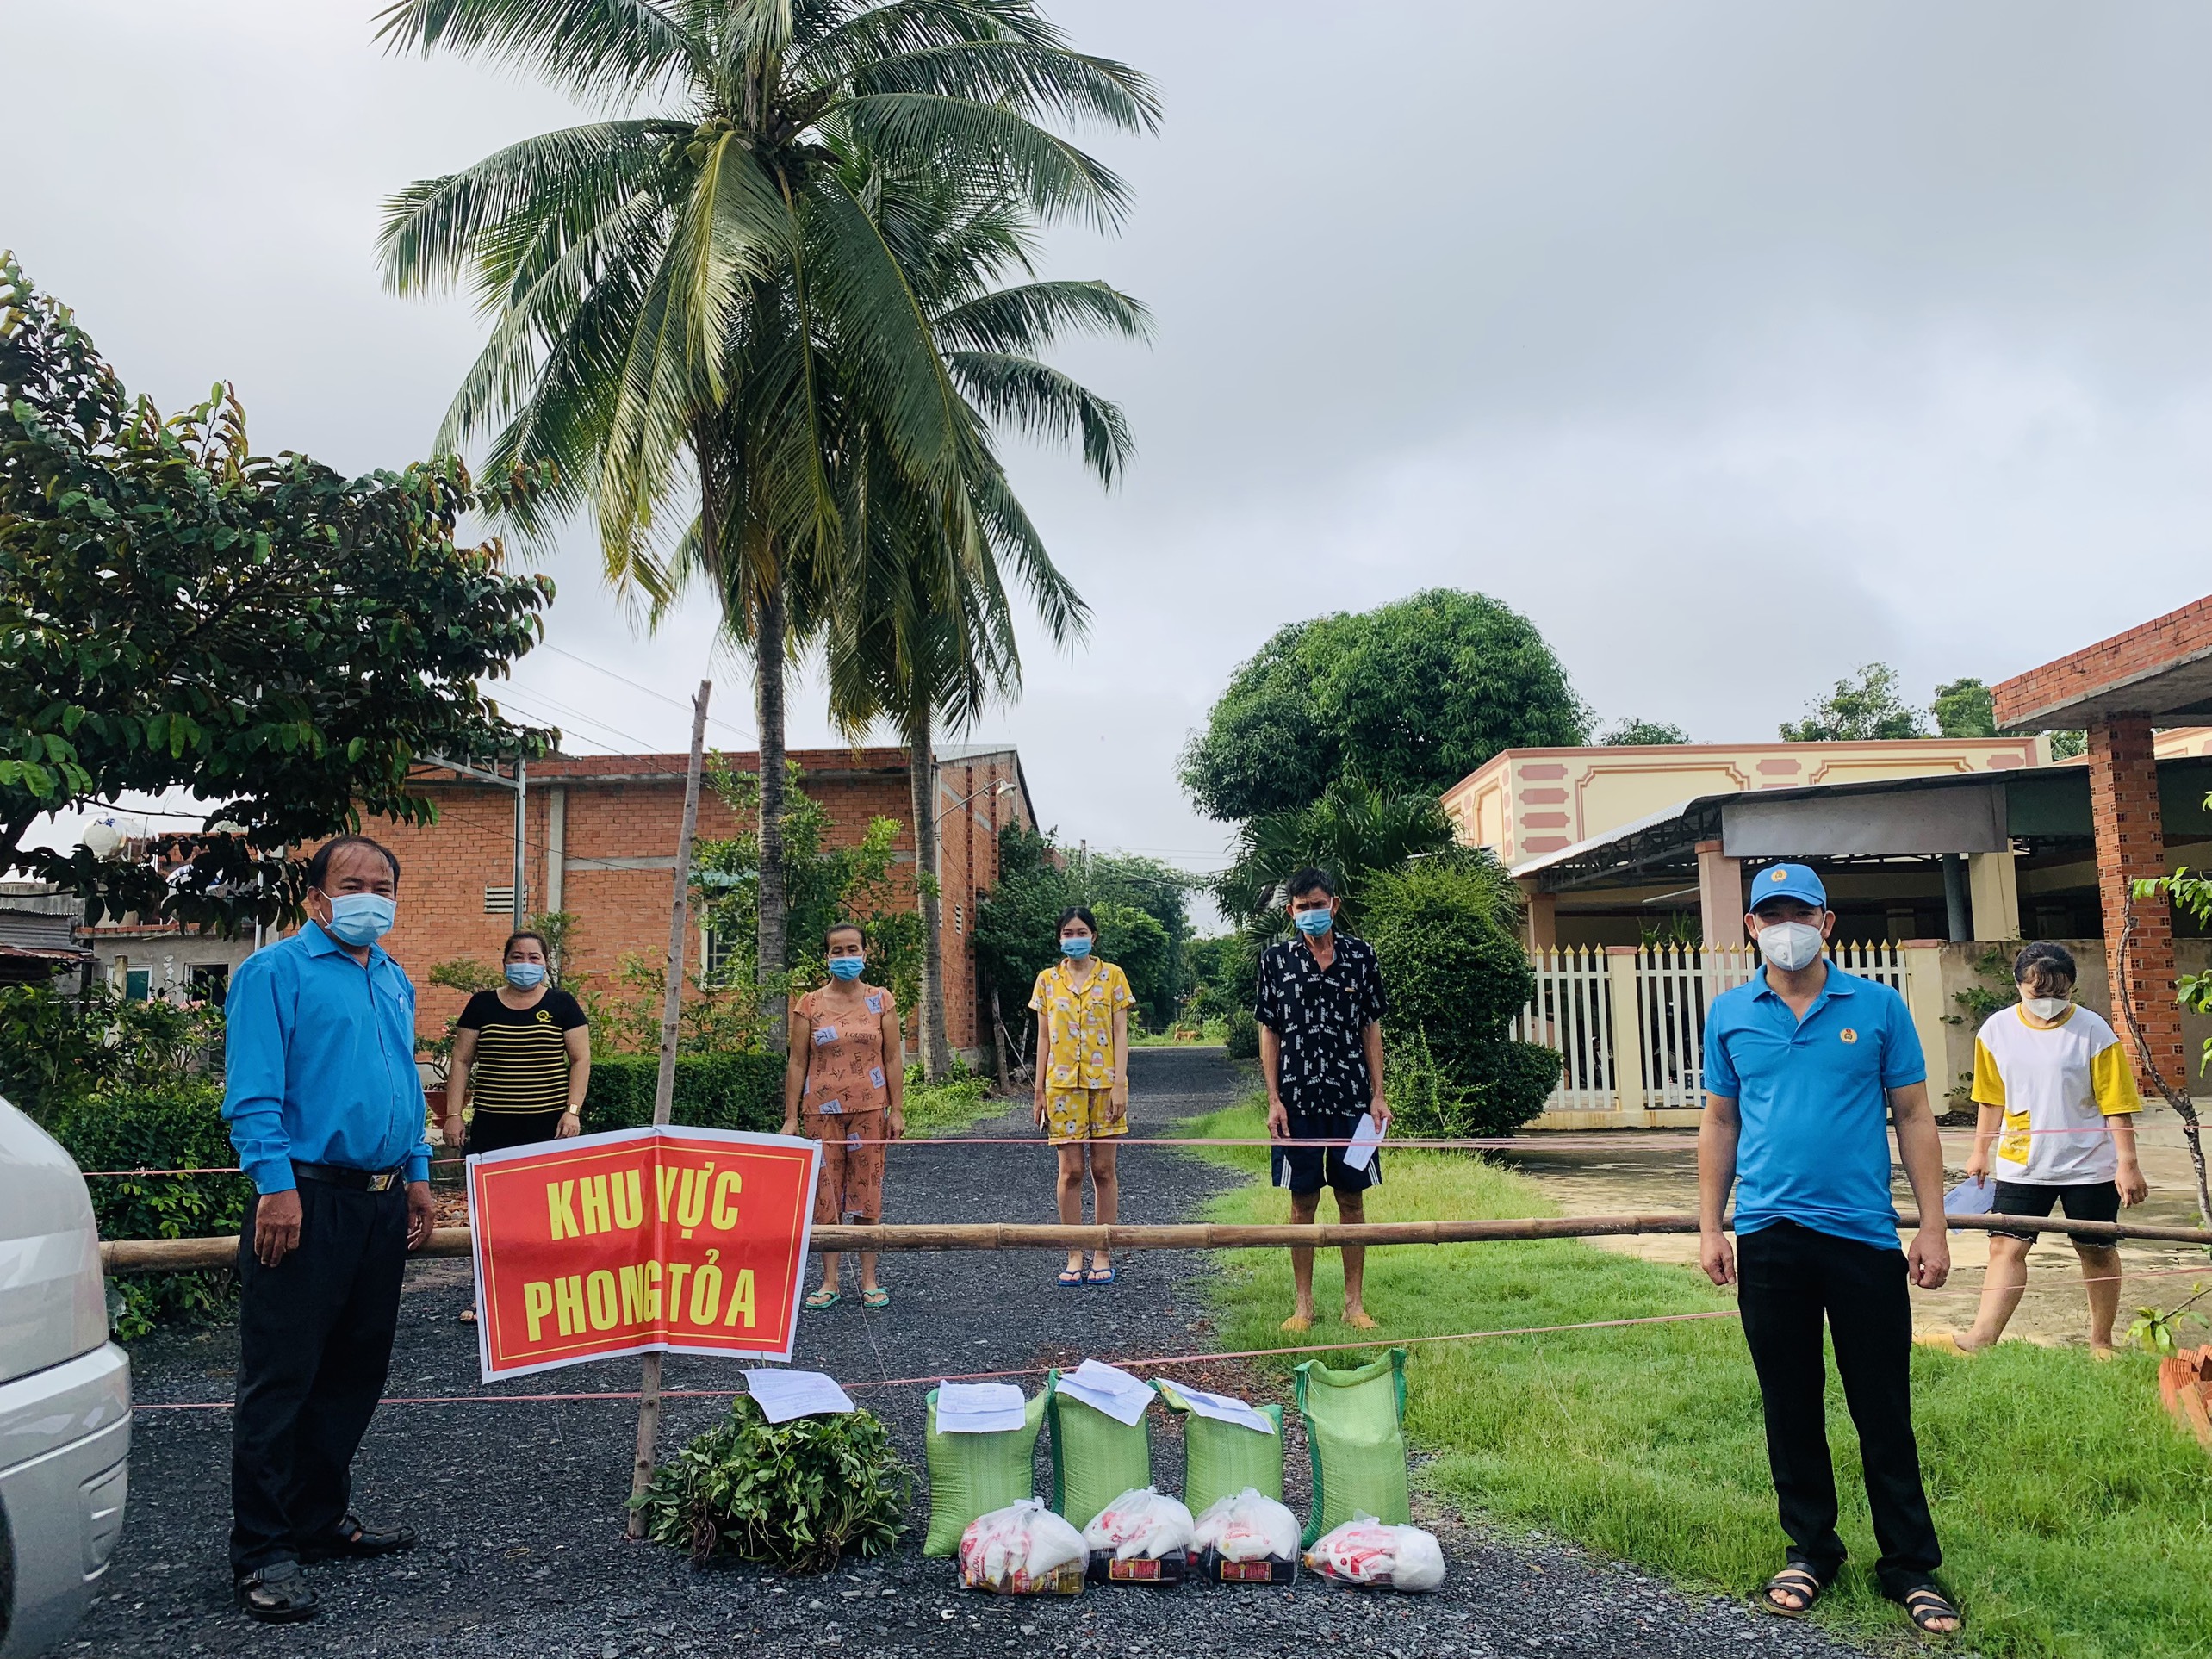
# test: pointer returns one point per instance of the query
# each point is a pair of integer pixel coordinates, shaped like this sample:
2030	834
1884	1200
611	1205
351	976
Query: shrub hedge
176	1128
713	1091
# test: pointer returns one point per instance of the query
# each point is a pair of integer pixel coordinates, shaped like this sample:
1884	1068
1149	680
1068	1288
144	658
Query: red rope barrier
1039	1370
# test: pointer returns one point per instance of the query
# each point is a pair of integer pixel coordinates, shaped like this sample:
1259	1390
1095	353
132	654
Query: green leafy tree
823	884
1357	831
1455	976
719	297
1629	732
179	612
1867	706
1142	924
1411	697
1965	708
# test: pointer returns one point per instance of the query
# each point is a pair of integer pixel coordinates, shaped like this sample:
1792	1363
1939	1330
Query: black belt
338	1175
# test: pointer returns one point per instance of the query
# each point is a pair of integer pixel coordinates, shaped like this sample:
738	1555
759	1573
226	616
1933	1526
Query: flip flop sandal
878	1297
277	1594
1070	1278
1099	1276
1798	1581
1924	1604
350	1541
822	1299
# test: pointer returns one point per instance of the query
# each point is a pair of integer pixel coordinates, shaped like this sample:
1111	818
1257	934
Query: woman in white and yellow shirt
2057	1123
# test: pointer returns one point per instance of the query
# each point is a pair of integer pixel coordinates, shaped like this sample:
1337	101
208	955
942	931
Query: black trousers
1789	1278
314	1343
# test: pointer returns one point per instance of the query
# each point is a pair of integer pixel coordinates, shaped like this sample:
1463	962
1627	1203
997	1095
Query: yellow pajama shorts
1072	1114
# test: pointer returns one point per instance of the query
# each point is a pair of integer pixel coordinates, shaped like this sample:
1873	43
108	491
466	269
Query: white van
65	1394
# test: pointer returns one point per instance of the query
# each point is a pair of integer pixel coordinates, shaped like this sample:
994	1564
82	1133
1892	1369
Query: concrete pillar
1925	1002
1720	896
1543	917
1958	926
1995	889
556	846
1627	1021
2123	802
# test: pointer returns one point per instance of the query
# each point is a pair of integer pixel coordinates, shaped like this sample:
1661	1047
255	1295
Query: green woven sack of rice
971	1475
1096	1458
1354	1430
1222	1459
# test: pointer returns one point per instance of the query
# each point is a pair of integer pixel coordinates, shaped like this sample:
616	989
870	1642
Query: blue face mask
848	967
1078	946
360	919
1313	923
525	976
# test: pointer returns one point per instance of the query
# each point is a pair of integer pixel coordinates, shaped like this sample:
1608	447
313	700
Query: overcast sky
1736	345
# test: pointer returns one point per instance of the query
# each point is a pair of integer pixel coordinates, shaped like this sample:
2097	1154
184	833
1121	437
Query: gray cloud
1875	330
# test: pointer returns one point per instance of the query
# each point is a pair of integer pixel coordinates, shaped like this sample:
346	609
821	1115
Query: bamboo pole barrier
176	1255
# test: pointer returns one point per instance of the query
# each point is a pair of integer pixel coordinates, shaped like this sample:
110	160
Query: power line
638	684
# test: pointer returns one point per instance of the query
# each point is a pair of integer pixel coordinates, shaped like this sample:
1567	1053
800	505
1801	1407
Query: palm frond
595	50
1041	401
990	148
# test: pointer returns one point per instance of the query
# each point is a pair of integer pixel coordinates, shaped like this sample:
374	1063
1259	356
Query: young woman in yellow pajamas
1082	1091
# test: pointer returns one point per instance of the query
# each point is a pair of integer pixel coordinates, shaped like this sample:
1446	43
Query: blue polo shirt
318	1062
1812	1093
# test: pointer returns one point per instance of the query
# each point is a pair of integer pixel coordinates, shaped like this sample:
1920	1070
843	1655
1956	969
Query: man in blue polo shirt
326	1111
1802	1068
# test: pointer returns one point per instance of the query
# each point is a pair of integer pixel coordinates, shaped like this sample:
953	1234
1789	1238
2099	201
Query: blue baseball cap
1788	881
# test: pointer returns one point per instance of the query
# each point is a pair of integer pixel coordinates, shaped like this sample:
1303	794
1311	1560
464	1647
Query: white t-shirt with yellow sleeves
2060	1081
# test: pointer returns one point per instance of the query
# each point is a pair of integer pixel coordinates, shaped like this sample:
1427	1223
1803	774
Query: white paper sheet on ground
1970	1199
782	1395
979	1407
1365	1138
1221	1408
1121	1396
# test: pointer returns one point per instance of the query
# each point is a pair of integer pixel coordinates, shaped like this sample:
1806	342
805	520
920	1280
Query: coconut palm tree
697	311
925	634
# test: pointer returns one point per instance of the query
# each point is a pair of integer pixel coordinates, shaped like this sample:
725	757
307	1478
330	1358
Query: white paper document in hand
782	1395
1970	1199
1365	1139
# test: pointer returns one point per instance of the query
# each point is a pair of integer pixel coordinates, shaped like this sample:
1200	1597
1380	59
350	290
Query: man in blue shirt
1802	1067
326	1110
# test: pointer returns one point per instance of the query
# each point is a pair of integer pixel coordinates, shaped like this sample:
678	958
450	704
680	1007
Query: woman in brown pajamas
843	1086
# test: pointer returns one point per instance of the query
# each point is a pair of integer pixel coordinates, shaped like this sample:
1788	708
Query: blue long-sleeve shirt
320	1062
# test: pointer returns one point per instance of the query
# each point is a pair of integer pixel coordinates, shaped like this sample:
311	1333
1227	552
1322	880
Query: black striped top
522	1053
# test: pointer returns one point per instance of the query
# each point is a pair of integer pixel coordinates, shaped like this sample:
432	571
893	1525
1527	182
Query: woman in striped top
522	1056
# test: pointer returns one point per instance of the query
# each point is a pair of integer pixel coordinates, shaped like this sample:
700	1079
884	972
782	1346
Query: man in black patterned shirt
1319	1009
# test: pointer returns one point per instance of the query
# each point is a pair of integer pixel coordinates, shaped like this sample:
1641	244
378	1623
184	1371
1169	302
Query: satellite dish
101	839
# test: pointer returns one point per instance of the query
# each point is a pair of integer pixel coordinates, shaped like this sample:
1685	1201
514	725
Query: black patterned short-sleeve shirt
1321	1018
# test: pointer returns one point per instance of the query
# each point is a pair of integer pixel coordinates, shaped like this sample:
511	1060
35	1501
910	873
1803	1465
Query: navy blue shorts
1308	1169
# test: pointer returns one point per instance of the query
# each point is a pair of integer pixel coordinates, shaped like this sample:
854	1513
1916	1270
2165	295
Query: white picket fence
1587	995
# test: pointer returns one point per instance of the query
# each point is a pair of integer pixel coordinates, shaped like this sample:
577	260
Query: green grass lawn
2076	1518
936	1109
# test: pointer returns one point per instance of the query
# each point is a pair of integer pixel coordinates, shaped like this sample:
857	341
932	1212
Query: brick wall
2123	791
2119	660
618	818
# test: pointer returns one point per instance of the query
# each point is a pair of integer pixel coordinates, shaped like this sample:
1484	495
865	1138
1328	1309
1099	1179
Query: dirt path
519	1505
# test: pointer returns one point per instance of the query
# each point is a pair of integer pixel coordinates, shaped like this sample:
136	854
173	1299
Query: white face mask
1790	945
2047	1009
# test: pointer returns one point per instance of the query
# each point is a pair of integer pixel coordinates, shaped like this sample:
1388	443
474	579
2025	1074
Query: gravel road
519	1506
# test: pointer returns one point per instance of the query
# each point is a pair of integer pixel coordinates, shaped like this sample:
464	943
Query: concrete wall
1524	802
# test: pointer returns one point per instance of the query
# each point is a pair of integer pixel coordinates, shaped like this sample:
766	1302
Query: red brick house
599	842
